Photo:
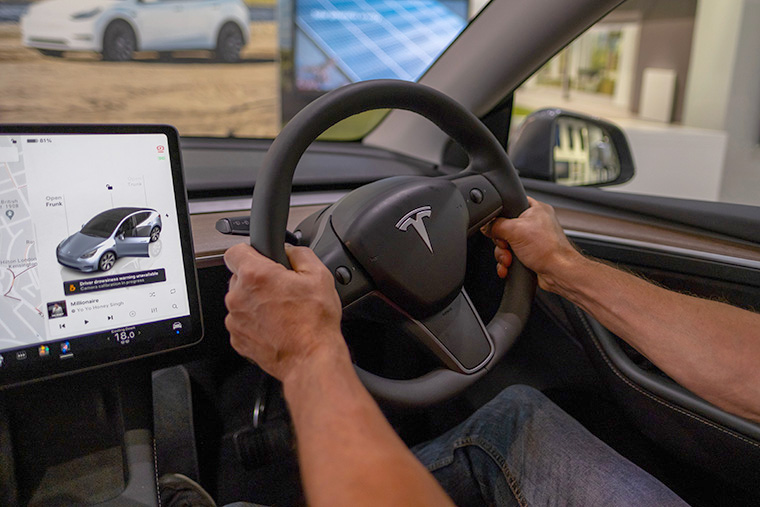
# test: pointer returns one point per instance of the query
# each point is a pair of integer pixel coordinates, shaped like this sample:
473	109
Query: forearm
708	347
348	453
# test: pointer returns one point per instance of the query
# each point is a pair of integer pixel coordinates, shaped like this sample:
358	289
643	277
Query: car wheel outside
107	260
119	42
154	234
229	44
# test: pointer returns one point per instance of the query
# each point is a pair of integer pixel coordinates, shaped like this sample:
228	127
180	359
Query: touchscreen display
96	263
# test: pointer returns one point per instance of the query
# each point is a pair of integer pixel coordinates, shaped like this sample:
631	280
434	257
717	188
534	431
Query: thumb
303	259
501	228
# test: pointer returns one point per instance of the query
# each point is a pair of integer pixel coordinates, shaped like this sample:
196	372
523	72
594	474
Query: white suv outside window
118	28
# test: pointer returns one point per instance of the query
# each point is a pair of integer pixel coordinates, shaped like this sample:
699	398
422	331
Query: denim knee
471	461
521	448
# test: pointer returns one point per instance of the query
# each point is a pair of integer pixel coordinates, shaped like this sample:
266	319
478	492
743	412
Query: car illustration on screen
115	233
118	28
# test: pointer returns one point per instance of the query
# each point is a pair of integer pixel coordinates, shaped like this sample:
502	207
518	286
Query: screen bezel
101	357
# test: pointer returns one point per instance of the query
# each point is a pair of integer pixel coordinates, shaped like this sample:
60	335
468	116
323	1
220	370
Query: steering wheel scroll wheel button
410	236
483	201
343	275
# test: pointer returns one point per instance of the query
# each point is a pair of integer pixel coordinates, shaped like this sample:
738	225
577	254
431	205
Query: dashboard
74	193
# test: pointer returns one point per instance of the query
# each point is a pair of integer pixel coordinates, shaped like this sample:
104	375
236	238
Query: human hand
536	238
280	318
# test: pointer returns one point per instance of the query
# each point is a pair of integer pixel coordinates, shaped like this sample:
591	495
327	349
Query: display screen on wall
337	42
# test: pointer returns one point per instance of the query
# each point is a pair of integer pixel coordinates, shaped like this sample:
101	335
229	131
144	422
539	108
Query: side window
681	79
141	217
143	229
128	227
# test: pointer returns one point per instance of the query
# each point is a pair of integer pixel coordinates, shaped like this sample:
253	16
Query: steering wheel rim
488	163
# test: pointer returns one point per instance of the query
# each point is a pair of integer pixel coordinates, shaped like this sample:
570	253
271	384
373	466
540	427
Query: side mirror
120	237
571	149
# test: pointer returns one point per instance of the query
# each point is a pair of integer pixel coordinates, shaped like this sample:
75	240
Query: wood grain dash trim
211	244
653	234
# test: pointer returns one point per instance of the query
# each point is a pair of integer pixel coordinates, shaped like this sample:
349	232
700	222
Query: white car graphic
118	28
114	233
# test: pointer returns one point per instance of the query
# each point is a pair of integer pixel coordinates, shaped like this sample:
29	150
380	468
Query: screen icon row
42	351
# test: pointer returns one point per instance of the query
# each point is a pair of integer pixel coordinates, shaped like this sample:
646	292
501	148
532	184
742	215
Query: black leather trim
688	427
665	391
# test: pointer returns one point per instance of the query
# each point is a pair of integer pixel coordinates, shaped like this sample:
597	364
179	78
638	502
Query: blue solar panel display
342	41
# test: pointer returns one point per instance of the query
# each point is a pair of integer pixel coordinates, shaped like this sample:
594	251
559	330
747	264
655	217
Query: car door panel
679	259
667	238
696	433
734	221
704	249
163	25
201	17
129	243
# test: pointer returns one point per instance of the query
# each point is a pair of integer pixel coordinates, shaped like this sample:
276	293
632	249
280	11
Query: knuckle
305	252
230	322
232	300
247	274
325	276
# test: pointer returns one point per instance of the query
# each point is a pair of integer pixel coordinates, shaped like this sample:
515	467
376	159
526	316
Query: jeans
521	449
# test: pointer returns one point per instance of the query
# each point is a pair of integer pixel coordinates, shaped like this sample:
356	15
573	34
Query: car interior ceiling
221	420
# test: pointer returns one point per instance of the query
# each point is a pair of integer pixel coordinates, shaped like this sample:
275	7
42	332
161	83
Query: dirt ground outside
192	92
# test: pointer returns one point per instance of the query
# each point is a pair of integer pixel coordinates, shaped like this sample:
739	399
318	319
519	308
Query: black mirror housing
571	149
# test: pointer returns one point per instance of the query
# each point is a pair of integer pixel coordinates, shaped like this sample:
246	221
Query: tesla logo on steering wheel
414	218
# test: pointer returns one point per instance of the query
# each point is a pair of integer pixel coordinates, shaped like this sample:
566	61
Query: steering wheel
398	247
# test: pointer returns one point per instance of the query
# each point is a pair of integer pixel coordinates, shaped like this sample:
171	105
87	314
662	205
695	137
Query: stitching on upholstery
443	462
649	395
155	468
500	461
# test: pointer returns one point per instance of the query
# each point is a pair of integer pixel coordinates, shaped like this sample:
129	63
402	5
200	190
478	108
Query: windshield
103	225
228	68
99	227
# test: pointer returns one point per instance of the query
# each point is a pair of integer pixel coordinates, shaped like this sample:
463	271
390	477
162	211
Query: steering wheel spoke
456	335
